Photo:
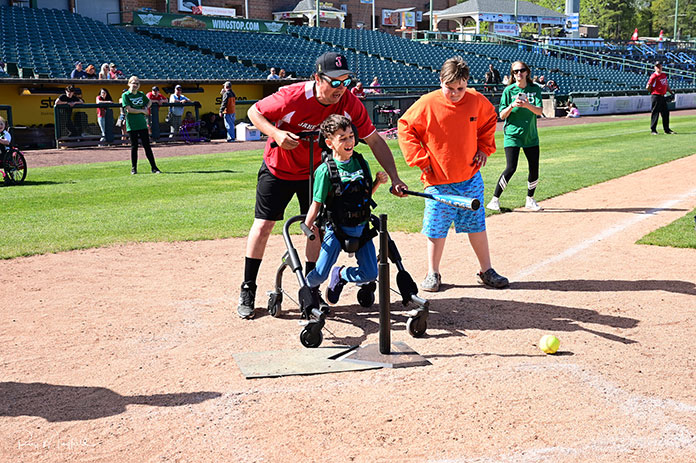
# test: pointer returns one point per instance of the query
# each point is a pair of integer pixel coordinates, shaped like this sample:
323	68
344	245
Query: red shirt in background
295	109
658	82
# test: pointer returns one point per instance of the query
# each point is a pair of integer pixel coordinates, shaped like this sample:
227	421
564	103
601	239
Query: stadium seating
262	50
46	43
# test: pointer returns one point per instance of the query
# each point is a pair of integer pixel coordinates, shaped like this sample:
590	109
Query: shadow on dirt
672	286
75	403
454	317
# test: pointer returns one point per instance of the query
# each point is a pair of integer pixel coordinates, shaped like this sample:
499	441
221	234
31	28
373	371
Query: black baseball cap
658	63
155	88
332	64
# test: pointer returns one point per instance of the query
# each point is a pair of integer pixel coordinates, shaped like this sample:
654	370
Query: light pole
431	15
676	10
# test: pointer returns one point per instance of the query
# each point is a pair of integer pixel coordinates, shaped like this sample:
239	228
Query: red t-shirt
295	109
658	82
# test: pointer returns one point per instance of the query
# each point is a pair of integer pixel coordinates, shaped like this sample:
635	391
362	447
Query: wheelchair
14	166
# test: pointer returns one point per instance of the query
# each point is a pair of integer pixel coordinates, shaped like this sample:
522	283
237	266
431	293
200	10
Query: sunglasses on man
335	83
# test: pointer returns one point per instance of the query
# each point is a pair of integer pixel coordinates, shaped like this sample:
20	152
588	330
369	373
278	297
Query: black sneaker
134	171
246	300
336	284
653	133
491	278
156	171
670	132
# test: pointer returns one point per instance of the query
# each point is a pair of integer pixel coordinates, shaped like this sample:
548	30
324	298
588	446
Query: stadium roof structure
308	9
499	11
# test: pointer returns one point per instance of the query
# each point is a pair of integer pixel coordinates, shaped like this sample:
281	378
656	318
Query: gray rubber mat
302	361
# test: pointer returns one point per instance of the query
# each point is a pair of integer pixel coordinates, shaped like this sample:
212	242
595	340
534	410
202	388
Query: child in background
449	134
5	140
353	206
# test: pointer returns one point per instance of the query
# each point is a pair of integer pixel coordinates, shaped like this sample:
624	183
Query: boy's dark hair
454	70
333	124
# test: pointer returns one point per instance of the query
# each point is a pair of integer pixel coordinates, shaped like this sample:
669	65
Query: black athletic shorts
274	194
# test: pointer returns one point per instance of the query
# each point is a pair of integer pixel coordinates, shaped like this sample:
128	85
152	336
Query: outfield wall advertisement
597	106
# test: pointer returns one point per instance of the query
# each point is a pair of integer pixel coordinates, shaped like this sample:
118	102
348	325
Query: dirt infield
125	353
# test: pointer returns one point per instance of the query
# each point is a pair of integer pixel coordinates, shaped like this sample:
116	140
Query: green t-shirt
348	171
137	101
521	125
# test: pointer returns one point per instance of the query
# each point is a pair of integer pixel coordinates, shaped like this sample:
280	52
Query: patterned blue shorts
438	217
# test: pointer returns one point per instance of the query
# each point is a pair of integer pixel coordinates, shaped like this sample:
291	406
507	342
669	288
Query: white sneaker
532	204
494	205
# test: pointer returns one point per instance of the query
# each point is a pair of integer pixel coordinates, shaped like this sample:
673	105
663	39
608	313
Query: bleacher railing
78	125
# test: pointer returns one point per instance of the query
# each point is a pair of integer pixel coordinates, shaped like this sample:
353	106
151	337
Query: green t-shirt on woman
521	125
137	101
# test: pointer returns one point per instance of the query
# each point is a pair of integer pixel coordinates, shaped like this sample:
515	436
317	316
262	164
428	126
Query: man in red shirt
285	171
156	98
658	86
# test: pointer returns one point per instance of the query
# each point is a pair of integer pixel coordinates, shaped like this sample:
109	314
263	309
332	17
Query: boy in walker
343	187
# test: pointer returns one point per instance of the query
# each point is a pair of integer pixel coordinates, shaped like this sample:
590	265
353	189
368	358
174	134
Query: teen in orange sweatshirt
449	134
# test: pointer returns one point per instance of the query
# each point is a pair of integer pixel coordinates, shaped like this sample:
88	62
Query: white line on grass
601	236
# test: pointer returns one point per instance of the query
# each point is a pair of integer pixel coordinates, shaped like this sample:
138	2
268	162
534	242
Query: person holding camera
520	105
658	86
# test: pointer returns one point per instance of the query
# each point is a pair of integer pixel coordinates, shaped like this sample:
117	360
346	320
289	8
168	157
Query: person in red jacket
449	134
658	86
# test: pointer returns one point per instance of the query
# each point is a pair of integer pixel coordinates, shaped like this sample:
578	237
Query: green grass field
679	234
212	196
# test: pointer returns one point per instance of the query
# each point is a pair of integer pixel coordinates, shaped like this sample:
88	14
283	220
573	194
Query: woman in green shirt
519	107
136	105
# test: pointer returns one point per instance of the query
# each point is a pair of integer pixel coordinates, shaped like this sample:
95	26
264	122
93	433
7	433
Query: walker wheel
366	297
417	326
311	335
275	301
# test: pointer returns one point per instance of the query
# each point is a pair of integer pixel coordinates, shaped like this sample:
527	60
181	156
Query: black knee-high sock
251	269
532	154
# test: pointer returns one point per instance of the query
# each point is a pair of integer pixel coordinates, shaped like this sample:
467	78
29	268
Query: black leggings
145	140
512	155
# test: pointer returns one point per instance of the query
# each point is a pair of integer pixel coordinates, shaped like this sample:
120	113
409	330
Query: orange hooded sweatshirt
445	136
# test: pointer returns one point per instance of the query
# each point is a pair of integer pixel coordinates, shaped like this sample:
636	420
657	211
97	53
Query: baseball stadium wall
32	102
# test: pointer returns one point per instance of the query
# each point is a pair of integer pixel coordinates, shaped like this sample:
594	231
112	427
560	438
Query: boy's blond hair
3	121
454	70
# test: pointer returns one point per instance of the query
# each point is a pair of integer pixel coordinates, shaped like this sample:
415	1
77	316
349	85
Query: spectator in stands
572	111
282	74
156	98
228	108
5	140
541	81
273	75
489	82
496	75
374	86
506	80
115	73
188	118
284	172
136	105
551	86
520	105
103	97
90	72
69	99
176	112
658	86
121	122
104	73
358	90
78	73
